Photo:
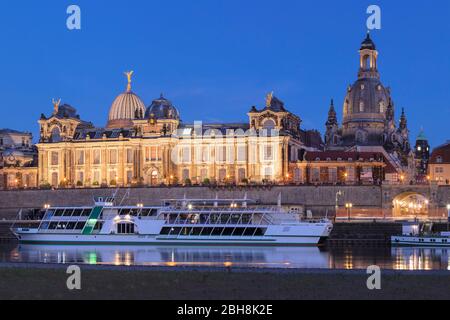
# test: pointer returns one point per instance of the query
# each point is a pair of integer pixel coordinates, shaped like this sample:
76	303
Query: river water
256	257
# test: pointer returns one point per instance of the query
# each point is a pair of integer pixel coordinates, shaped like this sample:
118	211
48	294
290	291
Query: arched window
185	174
359	137
361	106
54	179
154	177
382	107
335	140
56	135
269	124
366	63
241	174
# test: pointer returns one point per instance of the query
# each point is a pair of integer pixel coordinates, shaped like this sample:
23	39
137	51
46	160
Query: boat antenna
216	203
115	193
125	196
279	200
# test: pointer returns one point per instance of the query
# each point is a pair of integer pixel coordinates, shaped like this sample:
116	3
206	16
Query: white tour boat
413	237
179	222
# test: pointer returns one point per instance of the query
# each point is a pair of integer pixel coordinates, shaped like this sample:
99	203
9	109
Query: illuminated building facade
369	123
439	165
17	160
151	146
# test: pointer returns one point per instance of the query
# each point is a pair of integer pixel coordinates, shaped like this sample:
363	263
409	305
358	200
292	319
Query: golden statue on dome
56	104
129	74
269	98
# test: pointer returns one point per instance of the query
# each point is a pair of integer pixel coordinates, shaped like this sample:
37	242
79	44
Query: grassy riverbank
49	282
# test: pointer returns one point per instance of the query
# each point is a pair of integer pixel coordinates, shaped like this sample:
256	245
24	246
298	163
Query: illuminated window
269	124
242	153
268	152
54	158
113	156
96	156
129	156
80	157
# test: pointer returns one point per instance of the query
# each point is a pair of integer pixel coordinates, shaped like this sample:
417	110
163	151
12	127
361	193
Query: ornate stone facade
153	146
369	120
17	160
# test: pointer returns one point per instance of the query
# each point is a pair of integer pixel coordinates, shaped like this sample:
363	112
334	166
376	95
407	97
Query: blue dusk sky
214	59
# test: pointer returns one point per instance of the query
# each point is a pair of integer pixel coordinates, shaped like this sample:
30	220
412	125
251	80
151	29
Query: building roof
11	131
421	136
368	43
162	108
98	133
441	154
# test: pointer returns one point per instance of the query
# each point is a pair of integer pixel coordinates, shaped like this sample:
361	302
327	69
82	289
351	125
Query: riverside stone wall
319	199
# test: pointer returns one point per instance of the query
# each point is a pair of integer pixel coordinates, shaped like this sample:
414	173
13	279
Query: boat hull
162	240
417	241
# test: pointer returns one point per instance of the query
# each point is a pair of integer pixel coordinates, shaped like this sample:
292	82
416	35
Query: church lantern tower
366	102
332	127
422	155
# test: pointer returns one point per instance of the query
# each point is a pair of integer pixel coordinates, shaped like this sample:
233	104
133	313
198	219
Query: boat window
134	212
62	225
217	231
148	212
238	231
165	231
206	231
44	226
53	225
59	212
80	225
71	225
49	214
125	228
228	231
68	212
99	225
125	211
77	212
86	212
224	218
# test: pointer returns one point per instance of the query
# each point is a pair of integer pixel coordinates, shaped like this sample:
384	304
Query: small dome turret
162	108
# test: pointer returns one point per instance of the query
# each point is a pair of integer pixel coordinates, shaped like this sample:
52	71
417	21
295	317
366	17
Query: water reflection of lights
225	257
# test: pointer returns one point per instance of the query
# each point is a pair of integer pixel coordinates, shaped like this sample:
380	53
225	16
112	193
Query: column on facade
121	165
88	156
104	165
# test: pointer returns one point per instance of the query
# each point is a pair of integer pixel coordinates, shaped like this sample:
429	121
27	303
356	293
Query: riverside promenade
29	281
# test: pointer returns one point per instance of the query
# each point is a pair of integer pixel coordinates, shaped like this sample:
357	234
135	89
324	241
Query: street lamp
338	194
349	207
288	176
